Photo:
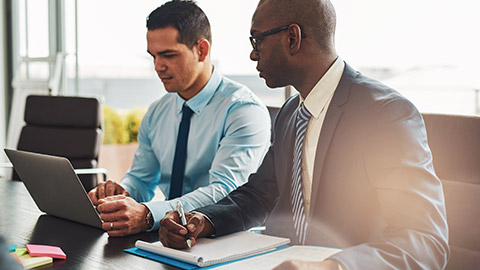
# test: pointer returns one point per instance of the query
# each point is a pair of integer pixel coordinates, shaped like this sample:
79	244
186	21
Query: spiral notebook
212	251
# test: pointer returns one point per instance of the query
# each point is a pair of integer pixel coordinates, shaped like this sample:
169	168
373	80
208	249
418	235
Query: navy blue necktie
178	168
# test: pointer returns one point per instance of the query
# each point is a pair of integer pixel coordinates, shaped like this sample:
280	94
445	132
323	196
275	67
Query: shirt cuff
158	209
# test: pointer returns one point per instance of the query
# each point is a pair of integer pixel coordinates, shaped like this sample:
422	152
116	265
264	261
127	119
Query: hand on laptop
105	189
172	233
122	215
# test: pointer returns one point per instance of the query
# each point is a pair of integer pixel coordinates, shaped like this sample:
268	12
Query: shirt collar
318	98
200	100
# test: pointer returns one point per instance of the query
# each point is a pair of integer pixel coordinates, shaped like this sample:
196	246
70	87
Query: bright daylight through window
424	49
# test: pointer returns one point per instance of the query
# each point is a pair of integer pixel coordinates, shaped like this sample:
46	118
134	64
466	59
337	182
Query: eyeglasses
254	38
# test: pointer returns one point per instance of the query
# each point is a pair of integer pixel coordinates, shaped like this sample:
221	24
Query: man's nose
159	66
254	55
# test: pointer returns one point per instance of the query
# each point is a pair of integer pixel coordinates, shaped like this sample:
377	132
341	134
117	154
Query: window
415	46
427	50
424	49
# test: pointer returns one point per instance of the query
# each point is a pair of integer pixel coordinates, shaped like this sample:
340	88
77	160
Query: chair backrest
455	144
64	126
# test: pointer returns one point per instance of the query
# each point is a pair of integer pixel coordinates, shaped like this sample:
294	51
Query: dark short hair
185	16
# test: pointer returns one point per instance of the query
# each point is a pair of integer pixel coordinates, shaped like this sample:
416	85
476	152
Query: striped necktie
299	219
178	168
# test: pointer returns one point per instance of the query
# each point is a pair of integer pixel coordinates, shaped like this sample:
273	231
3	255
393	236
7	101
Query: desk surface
21	222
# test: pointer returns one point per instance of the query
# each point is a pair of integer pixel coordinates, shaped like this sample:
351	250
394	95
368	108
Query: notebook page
235	246
209	251
158	248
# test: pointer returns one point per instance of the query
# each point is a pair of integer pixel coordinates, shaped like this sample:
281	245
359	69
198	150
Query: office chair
455	144
65	126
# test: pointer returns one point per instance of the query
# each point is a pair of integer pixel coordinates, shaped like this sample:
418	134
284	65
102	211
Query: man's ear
294	38
203	48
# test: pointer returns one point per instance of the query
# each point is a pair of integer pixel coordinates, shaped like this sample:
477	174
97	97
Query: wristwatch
149	219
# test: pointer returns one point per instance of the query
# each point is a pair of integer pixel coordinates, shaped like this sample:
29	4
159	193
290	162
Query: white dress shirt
317	103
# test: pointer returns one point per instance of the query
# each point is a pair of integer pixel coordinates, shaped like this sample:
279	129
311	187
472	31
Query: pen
183	220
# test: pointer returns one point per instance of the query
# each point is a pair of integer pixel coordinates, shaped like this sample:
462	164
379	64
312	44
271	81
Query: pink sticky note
44	250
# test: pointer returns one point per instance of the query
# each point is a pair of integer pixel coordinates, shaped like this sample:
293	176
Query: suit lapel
332	117
288	144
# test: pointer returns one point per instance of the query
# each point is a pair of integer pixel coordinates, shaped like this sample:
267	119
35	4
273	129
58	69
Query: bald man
350	166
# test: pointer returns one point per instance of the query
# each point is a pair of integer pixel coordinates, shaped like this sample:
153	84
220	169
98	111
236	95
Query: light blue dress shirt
229	136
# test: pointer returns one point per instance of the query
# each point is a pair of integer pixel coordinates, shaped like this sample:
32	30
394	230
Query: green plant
132	123
114	130
121	128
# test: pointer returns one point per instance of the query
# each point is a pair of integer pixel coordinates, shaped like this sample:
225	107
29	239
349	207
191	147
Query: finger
110	187
175	241
101	190
109	206
172	234
192	228
172	215
195	224
174	237
112	216
114	225
113	198
93	196
171	224
110	199
107	225
119	190
120	225
162	235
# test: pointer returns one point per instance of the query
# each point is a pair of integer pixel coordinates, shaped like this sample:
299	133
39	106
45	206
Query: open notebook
218	250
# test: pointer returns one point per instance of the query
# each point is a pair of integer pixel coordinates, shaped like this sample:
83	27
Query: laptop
54	186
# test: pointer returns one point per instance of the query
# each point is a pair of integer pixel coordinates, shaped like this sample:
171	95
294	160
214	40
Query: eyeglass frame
253	38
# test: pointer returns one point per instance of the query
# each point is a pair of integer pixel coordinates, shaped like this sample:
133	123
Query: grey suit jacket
375	193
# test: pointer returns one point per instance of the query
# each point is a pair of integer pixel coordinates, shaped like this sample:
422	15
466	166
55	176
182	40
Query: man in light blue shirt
229	130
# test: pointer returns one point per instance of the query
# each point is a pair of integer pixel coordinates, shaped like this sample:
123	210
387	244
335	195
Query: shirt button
304	167
308	201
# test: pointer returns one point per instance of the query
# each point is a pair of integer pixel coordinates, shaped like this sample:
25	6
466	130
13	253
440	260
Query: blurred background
427	50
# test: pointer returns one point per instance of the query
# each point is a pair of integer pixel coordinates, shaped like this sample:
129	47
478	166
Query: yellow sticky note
21	251
29	262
